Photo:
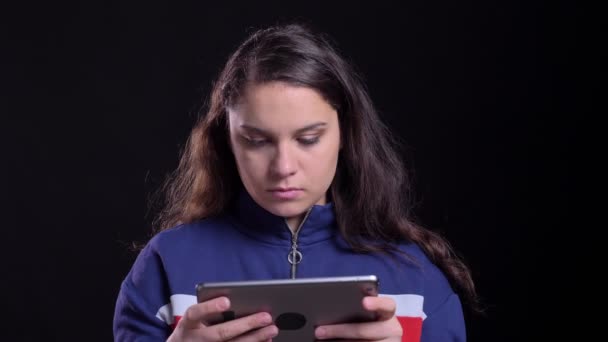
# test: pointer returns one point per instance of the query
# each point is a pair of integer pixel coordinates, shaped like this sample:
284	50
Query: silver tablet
297	306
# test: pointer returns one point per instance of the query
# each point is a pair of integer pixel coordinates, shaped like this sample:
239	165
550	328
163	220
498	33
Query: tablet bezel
321	300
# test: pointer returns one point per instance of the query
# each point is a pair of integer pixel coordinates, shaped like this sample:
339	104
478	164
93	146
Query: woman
291	174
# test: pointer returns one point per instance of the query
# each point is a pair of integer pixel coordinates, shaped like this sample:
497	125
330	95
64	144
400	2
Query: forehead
278	106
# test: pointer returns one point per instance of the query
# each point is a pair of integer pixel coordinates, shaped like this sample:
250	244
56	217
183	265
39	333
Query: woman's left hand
386	328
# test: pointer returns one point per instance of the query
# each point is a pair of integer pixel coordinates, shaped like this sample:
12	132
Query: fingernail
366	302
320	332
266	319
223	304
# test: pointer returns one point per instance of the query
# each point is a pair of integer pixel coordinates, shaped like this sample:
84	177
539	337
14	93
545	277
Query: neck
294	222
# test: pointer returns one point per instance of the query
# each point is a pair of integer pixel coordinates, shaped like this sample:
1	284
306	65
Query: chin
289	209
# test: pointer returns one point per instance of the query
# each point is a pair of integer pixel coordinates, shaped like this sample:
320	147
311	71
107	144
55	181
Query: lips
284	189
286	193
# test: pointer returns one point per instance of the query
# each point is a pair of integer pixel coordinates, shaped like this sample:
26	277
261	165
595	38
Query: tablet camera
228	315
290	321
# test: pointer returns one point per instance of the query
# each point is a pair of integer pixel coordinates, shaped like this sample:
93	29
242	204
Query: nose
283	163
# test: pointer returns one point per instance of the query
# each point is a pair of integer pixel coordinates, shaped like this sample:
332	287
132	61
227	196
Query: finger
266	333
231	329
378	330
383	306
198	314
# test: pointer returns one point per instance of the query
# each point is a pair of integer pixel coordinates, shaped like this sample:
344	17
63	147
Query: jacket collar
260	224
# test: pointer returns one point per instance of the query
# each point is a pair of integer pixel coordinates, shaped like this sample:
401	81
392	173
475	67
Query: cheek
250	164
322	163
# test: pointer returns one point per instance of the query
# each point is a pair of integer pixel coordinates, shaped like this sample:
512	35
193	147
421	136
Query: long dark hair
371	188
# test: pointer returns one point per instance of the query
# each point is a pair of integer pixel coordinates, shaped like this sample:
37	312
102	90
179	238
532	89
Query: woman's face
285	140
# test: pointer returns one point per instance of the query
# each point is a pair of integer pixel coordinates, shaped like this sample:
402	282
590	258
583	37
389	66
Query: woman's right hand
195	325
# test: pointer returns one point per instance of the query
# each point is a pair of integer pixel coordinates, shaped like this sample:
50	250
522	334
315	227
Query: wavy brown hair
371	188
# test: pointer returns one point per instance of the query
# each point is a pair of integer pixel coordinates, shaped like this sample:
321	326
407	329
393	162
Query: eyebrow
299	130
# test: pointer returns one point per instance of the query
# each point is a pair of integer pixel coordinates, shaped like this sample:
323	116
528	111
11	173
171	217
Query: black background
99	98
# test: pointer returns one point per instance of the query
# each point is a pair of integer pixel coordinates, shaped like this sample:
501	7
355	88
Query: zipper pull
294	258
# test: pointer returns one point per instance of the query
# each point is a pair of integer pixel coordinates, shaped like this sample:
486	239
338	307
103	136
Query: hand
195	325
386	328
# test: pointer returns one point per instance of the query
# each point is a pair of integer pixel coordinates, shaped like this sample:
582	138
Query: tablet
297	306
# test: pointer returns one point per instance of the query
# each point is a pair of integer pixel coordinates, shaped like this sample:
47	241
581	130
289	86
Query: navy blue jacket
249	243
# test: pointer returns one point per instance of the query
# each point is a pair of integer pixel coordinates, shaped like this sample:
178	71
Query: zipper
295	256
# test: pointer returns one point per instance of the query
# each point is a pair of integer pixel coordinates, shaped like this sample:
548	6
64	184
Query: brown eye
308	141
255	142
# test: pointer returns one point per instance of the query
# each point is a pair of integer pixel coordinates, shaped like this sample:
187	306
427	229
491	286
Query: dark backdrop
99	98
